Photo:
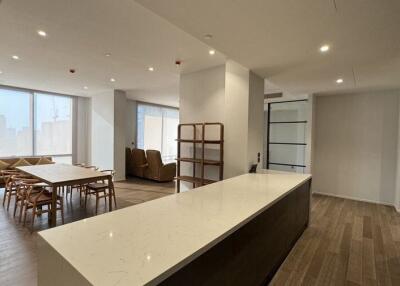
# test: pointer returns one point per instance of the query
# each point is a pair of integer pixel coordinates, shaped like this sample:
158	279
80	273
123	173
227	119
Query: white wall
102	130
120	107
131	123
355	151
232	95
236	119
256	120
201	98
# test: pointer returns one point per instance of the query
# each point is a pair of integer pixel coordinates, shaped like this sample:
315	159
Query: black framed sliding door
286	135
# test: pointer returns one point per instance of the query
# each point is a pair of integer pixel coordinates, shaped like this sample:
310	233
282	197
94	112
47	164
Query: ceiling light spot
324	48
112	79
42	33
339	81
151	69
211	52
1	72
107	54
85	87
15	57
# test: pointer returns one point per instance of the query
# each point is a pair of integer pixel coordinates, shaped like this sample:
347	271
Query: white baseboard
358	199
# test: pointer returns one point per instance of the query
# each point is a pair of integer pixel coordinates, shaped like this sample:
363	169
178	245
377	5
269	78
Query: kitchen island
233	232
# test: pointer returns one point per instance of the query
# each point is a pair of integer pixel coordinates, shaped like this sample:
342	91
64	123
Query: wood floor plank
18	257
355	263
346	243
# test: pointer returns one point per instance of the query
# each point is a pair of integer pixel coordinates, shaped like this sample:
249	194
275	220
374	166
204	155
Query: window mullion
33	123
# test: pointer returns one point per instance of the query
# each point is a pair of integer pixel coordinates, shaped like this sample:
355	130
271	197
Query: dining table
61	175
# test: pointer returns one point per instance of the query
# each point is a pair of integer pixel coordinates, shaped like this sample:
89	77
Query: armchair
156	170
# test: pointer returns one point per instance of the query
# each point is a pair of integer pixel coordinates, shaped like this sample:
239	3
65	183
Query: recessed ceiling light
15	57
151	69
211	52
1	72
324	48
107	54
112	79
85	87
42	33
339	80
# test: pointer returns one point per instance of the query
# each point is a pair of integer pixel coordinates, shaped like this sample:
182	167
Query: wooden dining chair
79	188
6	175
11	185
21	192
100	189
37	200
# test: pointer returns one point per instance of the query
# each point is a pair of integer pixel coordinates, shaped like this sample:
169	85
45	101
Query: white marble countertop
148	242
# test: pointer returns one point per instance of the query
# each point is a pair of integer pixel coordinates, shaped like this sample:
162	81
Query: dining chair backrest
109	172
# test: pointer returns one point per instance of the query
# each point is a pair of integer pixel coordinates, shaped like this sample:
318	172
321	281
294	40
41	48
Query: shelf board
206	162
194	180
199	141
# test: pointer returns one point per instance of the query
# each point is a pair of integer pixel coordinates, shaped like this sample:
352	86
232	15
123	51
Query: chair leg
33	217
62	209
115	199
5	195
86	194
15	206
25	213
21	210
8	201
97	202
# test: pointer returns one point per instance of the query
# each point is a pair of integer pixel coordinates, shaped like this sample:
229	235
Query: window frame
32	99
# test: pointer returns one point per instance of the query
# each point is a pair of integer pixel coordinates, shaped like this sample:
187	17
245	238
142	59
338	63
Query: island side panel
53	269
252	254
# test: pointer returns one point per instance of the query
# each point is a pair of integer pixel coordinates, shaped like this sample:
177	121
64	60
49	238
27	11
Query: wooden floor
18	246
346	243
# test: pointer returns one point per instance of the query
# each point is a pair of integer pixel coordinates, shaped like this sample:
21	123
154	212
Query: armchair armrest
168	172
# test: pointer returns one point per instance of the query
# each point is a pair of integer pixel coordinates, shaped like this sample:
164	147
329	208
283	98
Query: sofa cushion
4	165
44	161
20	163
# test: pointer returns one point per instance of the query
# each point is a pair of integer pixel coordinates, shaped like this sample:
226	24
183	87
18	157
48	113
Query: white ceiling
80	33
279	40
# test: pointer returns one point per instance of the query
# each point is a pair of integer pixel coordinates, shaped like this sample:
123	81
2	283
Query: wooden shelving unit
202	161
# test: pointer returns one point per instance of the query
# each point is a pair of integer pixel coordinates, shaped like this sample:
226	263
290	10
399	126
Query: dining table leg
53	213
110	194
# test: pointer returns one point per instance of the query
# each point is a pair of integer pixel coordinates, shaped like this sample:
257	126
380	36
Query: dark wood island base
252	254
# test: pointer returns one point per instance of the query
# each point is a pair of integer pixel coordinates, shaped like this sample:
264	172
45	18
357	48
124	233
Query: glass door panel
286	135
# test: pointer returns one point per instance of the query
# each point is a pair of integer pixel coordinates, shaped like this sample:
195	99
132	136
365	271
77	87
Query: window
15	123
35	124
157	129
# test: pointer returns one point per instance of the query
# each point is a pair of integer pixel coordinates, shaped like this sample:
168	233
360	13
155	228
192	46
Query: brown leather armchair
139	162
156	170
